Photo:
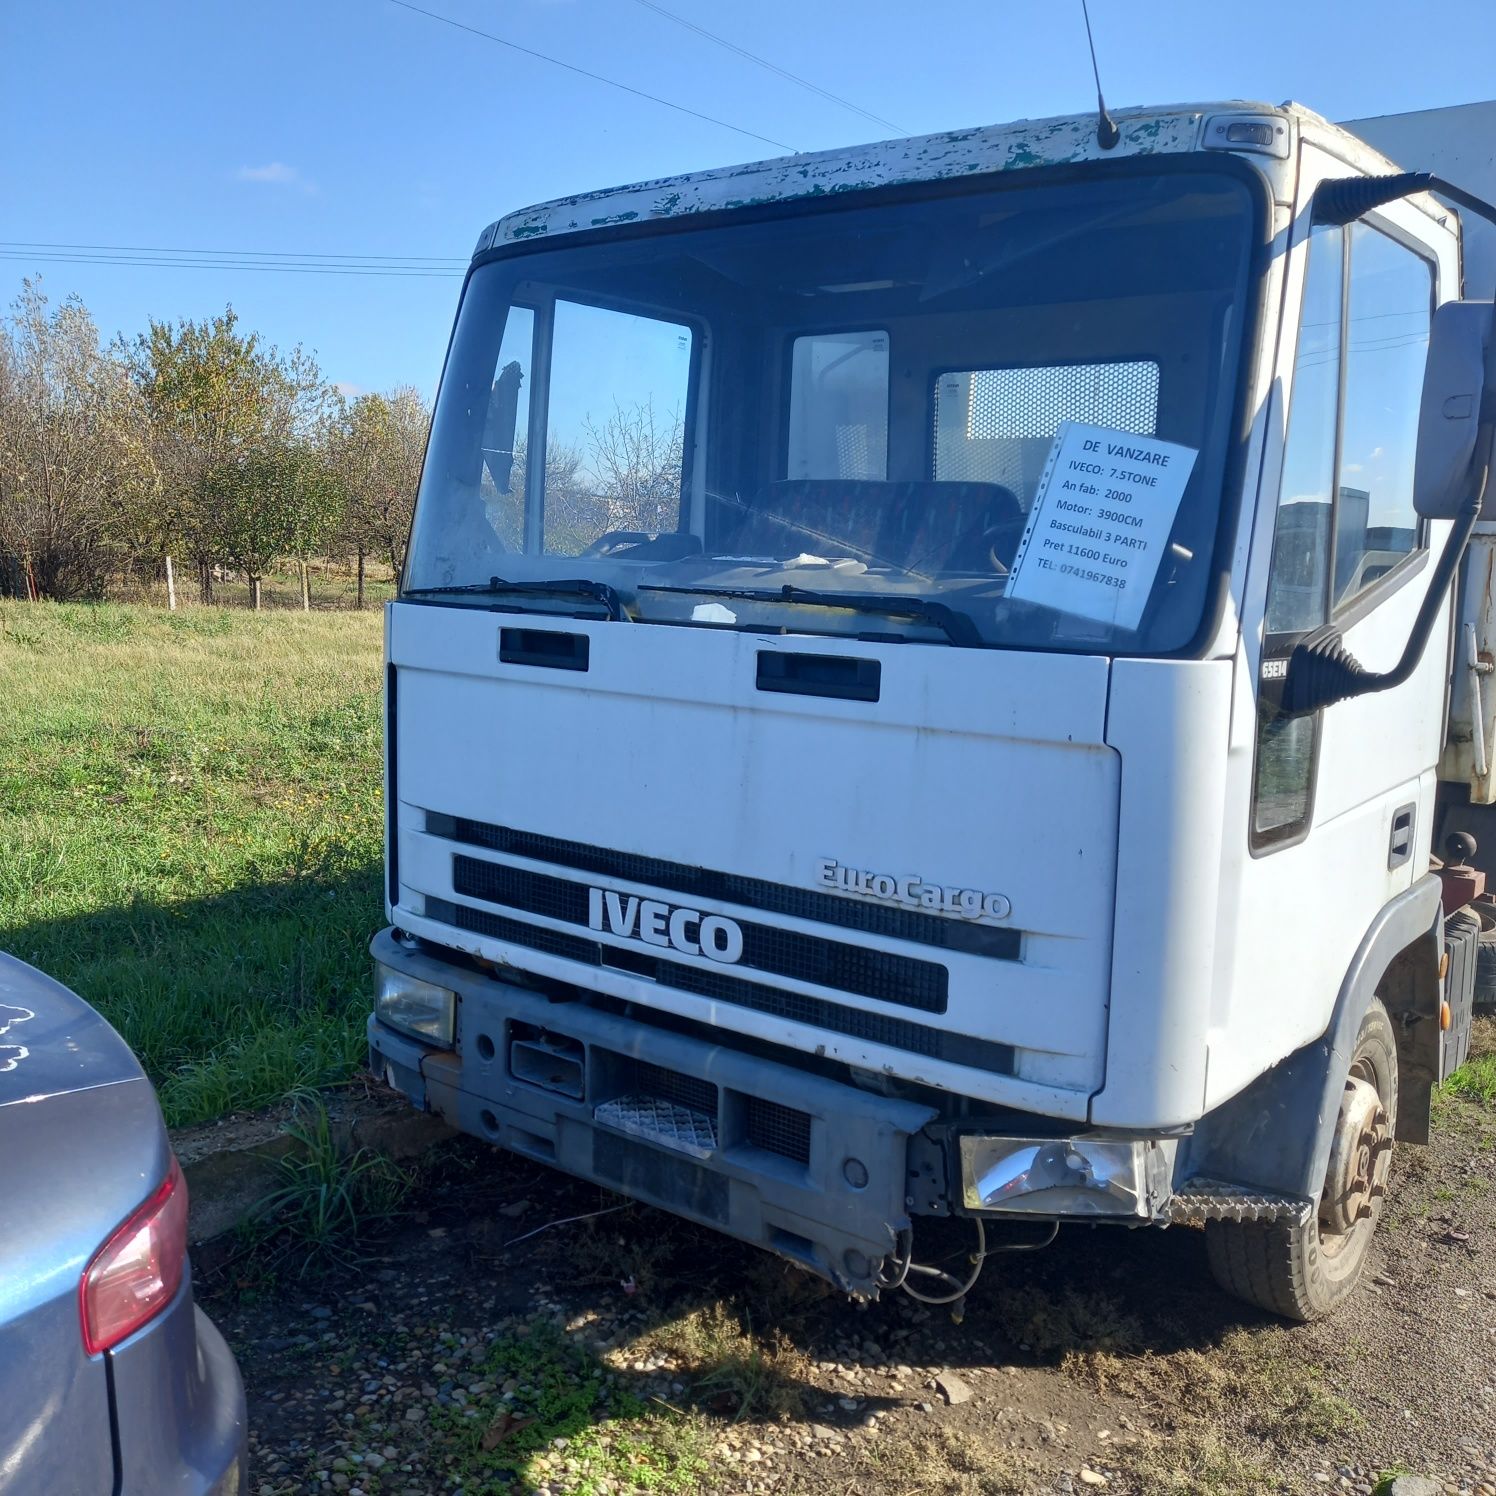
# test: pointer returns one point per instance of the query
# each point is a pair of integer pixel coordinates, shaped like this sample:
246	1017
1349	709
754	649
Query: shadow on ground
233	1000
490	1342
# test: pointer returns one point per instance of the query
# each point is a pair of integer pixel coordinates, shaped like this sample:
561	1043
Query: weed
1258	1380
734	1373
325	1195
943	1461
1198	1463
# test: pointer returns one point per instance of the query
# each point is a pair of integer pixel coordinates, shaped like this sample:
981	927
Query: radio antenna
1107	133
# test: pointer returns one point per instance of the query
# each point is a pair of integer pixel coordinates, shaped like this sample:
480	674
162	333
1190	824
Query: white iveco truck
919	688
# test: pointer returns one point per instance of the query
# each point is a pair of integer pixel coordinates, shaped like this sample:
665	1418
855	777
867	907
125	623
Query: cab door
1339	804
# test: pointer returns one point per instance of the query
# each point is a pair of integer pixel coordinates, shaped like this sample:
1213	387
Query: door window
1345	505
1298	579
1390	302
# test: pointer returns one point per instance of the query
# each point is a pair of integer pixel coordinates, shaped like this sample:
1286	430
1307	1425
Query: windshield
977	419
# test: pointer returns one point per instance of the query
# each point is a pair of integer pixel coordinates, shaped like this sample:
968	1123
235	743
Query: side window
1298	579
503	476
997	425
1347	484
1389	308
1298	583
615	425
839	406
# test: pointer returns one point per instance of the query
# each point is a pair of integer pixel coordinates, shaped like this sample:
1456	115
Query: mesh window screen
996	425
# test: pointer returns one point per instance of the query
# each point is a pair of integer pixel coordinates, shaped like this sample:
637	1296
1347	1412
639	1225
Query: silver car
111	1379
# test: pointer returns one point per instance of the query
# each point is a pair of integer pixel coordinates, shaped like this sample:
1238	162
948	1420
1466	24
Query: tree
574	515
75	468
226	410
375	450
278	499
635	460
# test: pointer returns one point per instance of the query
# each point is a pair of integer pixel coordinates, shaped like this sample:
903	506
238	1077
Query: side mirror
1454	381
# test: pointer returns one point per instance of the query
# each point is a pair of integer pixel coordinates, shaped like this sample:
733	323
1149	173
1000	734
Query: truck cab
858	748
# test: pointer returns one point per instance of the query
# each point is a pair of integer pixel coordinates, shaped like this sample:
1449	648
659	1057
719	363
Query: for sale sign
1101	519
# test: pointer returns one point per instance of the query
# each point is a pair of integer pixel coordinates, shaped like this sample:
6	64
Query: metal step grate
1211	1200
662	1122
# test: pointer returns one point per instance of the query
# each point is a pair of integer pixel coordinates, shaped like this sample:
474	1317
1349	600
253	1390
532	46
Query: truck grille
689	1091
875	1028
778	1129
878	974
995	942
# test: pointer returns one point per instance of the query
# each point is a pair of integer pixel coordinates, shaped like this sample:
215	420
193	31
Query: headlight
1088	1175
413	1006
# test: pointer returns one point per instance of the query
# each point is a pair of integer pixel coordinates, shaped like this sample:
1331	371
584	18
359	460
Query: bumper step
1211	1200
662	1122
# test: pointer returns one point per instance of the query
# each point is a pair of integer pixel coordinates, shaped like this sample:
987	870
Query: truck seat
926	527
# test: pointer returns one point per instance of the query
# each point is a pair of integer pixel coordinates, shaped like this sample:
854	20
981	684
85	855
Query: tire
1304	1271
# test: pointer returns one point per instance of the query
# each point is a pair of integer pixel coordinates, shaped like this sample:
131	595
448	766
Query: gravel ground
630	1352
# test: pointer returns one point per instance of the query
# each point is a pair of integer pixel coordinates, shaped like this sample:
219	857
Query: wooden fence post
306	590
171	586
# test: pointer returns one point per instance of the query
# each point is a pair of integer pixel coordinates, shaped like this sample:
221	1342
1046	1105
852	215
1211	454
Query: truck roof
923	158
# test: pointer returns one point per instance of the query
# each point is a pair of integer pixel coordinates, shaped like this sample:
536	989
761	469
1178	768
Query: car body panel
82	1146
180	1407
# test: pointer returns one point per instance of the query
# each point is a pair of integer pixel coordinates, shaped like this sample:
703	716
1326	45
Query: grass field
190	816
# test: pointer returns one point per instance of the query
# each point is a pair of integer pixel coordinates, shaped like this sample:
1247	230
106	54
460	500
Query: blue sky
357	127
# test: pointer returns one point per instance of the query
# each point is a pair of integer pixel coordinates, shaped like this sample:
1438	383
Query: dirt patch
627	1351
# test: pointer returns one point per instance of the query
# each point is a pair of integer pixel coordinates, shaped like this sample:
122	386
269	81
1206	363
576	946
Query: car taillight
137	1272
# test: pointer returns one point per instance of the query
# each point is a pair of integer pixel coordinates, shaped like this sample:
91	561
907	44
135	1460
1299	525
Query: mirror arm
1344	199
1322	671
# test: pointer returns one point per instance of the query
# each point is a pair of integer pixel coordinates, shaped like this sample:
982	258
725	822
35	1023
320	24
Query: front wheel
1304	1270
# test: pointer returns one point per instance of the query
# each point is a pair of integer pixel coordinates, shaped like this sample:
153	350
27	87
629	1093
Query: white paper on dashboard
1101	520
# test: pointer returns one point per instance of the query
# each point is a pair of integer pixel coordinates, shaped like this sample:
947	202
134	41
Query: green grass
190	811
1475	1080
567	1419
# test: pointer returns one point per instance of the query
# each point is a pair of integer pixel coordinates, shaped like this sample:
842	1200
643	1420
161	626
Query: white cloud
276	174
348	390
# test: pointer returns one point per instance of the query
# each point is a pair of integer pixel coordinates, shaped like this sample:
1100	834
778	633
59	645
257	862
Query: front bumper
806	1166
824	1172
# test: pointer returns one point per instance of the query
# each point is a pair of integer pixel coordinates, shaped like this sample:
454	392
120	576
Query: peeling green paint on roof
1022	146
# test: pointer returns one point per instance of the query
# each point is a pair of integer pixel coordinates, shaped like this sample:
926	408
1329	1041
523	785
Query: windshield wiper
956	626
598	592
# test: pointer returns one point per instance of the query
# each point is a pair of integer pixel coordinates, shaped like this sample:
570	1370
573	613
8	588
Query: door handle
1400	844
